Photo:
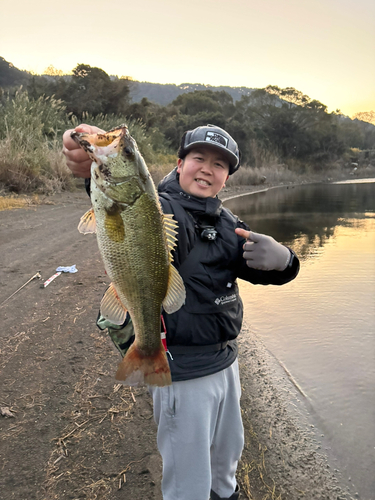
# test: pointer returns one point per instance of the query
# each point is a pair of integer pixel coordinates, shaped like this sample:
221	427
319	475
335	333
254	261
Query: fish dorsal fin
170	230
87	224
111	307
176	292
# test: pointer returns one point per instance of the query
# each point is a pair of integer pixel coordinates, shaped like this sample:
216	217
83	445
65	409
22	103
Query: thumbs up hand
263	252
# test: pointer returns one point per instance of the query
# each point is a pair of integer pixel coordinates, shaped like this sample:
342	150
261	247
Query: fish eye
128	151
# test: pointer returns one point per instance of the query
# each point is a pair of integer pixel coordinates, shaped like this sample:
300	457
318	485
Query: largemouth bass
135	240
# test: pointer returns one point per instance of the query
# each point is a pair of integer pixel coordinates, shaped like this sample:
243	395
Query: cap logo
215	137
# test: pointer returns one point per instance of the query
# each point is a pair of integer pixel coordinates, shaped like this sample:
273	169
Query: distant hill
162	94
166	93
11	76
159	93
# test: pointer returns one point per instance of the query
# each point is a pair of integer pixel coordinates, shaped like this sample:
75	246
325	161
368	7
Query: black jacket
213	310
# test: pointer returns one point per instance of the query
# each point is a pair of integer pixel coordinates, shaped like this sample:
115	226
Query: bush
30	144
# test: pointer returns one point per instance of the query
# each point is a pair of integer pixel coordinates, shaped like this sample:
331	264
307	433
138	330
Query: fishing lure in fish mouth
135	240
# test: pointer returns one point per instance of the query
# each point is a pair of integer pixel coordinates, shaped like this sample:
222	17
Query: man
200	432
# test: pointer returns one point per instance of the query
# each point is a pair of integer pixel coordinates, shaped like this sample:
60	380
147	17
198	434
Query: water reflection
305	217
321	325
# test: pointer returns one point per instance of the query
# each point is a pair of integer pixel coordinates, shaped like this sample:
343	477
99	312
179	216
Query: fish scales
130	256
129	266
135	240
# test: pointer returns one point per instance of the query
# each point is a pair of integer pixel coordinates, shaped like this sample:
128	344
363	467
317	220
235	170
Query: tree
146	111
91	90
208	101
192	109
52	71
365	116
289	94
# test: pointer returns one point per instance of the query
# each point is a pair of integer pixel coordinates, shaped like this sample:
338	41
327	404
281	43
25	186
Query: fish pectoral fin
87	224
170	231
111	307
176	292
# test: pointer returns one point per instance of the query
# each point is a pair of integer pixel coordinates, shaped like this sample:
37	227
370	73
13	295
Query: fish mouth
101	145
111	138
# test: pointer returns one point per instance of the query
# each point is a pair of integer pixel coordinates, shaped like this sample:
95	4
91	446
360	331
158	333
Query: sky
324	48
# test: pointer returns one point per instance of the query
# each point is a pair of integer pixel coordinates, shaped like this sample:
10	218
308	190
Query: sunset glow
325	48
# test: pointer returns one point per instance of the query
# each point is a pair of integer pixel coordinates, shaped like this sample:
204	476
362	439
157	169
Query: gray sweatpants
200	435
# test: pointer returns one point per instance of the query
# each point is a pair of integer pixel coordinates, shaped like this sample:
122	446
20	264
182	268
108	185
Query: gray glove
264	253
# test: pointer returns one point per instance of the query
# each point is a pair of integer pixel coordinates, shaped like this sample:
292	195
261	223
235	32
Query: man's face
203	172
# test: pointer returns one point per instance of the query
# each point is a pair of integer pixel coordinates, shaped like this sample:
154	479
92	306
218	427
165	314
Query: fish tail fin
137	368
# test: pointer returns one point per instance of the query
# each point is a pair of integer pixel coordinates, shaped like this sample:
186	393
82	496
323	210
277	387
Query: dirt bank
69	431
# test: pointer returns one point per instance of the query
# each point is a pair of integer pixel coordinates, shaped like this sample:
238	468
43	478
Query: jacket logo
225	299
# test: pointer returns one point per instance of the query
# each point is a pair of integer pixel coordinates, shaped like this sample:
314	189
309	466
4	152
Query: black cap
214	137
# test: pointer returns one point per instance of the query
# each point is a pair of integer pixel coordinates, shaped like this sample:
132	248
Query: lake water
321	326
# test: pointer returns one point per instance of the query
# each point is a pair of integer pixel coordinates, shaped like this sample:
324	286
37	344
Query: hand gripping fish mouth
97	145
126	213
107	150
